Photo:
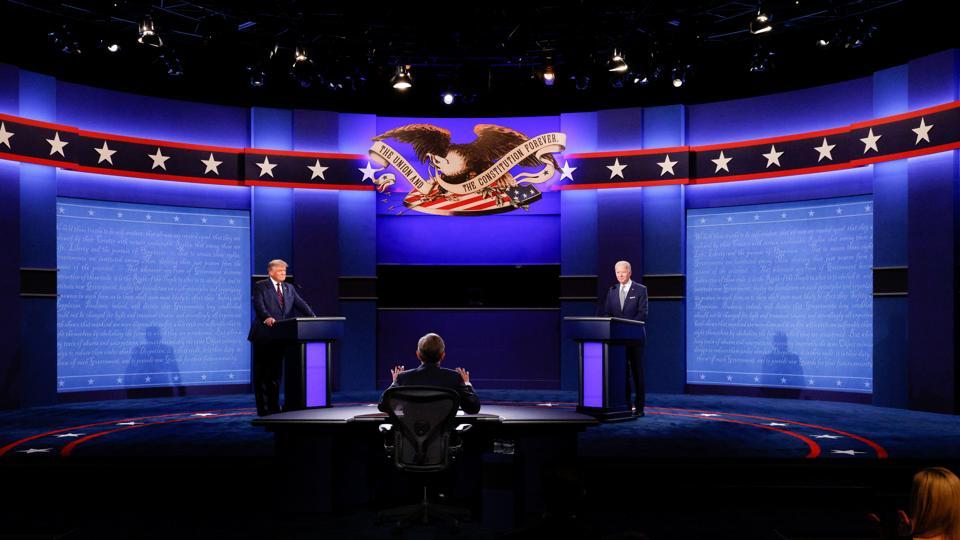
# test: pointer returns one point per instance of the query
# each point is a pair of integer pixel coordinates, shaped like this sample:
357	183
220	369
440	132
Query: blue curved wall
584	231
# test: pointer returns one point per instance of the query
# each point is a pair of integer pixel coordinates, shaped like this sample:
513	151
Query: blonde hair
276	262
935	504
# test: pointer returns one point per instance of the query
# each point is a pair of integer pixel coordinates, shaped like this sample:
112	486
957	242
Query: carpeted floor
676	426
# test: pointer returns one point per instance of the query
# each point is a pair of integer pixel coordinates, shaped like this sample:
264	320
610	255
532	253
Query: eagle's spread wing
425	138
493	142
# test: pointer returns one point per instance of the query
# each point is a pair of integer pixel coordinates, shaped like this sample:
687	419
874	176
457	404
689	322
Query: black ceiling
491	55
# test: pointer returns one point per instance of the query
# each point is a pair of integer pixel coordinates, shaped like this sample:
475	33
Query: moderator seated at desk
431	351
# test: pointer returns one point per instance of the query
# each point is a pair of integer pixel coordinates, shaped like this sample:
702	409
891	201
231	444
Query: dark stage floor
694	467
676	426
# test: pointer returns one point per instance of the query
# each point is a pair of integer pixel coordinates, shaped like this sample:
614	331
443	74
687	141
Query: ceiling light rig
549	76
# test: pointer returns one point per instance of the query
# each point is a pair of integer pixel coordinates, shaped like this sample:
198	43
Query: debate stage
204	460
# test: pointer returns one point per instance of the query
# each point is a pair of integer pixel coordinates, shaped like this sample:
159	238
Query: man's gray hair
276	262
623	263
431	348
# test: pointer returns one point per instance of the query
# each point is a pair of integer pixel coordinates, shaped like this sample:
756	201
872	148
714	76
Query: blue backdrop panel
500	348
780	295
151	295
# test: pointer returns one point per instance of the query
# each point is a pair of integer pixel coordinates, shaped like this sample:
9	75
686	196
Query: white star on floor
89	381
317	170
616	169
756	217
159	160
702	221
367	172
729	219
119	380
266	167
783	215
105	153
777	424
756	379
666	166
811	381
866	384
204	414
773	158
867	208
68	435
230	375
827	436
783	380
721	162
211	165
825	150
176	218
60	383
176	378
729	377
871	142
5	135
203	220
56	145
203	377
90	212
230	221
147	379
119	214
60	210
839	383
923	132
567	171
811	213
847	452
702	376
839	210
35	450
149	217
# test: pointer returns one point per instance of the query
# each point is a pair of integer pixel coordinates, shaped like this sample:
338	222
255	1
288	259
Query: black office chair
421	438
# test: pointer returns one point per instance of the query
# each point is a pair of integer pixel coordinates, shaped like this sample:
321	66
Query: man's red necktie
280	296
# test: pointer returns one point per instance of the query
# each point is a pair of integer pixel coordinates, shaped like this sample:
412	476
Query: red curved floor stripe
814	447
68	449
881	451
14	444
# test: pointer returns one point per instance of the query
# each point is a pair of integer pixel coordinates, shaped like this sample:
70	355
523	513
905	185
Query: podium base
606	415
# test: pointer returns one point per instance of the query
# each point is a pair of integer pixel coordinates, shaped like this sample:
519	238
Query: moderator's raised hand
464	374
396	371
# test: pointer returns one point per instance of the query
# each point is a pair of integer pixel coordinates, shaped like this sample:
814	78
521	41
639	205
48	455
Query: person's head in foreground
934	505
430	349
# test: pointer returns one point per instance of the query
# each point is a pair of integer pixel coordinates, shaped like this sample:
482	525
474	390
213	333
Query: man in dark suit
628	300
431	351
273	300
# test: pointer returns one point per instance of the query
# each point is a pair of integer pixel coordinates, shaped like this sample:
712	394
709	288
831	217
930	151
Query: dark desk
330	456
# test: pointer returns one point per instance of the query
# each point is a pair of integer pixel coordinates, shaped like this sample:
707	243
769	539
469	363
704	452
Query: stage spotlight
861	33
581	81
258	76
148	34
823	43
761	61
448	98
761	23
300	56
617	63
64	41
110	46
171	62
549	77
402	80
678	76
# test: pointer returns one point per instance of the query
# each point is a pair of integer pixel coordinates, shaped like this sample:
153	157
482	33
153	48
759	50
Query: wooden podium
603	363
309	353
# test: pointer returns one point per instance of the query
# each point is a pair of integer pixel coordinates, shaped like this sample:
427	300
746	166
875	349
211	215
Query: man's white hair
623	263
276	262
